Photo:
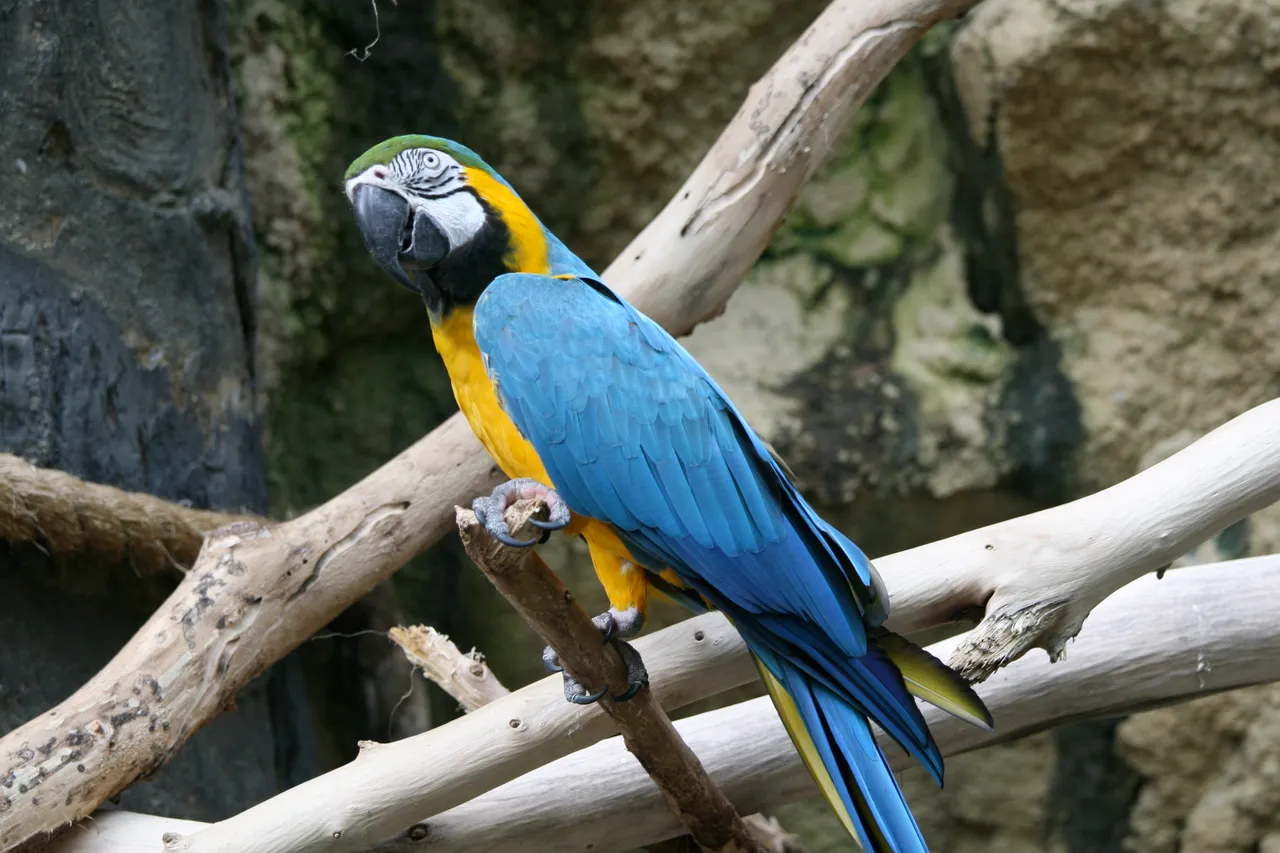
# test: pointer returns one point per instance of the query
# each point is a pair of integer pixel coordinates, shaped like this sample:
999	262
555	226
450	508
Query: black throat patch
467	270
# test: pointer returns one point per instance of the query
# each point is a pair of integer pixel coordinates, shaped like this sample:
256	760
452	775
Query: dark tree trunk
126	343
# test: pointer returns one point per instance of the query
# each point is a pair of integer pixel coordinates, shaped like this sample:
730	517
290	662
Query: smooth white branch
390	786
1037	577
1077	552
1198	631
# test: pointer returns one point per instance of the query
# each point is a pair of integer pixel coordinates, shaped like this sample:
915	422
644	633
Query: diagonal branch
390	786
550	609
1036	578
466	678
254	594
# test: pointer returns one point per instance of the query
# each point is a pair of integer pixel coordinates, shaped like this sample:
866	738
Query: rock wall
1133	144
126	349
1041	261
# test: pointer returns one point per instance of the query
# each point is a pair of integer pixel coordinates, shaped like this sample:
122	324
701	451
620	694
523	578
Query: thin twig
544	602
355	53
465	677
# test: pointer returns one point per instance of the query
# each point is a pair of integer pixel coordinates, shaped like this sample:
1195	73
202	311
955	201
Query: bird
590	406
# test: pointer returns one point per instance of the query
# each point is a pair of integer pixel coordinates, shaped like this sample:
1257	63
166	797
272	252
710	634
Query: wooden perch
923	595
465	677
67	516
254	593
1199	631
550	609
390	786
1038	577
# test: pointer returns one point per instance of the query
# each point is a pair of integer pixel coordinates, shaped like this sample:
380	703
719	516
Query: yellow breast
478	399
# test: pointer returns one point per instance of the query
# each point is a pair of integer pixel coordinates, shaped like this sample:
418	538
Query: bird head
441	221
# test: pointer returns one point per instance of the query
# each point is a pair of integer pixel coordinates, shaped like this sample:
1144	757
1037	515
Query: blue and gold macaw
590	405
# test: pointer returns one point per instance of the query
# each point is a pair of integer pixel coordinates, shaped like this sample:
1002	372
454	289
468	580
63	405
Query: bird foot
613	626
491	510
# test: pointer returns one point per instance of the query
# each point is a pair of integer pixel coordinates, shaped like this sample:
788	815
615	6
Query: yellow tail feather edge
931	680
809	754
926	678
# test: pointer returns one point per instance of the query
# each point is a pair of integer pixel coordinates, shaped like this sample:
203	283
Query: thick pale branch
390	786
1037	577
255	593
550	609
1198	631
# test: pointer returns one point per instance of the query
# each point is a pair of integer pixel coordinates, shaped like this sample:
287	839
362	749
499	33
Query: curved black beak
405	244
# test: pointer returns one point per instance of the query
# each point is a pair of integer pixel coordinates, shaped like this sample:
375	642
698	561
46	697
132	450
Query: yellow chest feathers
478	399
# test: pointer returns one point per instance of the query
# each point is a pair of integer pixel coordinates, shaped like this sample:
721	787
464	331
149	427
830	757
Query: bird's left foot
614	626
491	510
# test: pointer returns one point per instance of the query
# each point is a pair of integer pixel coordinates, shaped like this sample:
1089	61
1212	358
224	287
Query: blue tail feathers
854	769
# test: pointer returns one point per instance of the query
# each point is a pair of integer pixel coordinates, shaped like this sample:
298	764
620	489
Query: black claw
635	688
507	539
490	512
611	632
637	675
590	698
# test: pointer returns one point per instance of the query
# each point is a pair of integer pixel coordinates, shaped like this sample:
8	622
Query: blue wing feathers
634	432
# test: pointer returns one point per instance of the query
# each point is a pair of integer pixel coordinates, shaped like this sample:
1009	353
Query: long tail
837	745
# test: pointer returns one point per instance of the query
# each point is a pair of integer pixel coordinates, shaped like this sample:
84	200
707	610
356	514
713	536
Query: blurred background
1044	258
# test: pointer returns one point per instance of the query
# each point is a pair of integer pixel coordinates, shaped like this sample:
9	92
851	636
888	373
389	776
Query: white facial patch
435	184
459	216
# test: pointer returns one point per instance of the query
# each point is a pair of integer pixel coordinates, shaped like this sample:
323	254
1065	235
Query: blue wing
632	431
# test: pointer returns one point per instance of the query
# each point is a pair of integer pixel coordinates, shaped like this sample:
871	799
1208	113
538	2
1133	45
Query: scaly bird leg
614	626
490	511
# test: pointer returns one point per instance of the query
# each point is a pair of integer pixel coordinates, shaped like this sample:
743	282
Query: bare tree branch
550	609
1199	631
1038	577
390	786
256	593
465	677
1031	555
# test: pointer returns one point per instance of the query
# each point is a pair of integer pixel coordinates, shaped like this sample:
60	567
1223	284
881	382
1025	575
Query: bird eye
432	161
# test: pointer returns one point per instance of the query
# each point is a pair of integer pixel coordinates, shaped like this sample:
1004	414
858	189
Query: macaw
593	407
